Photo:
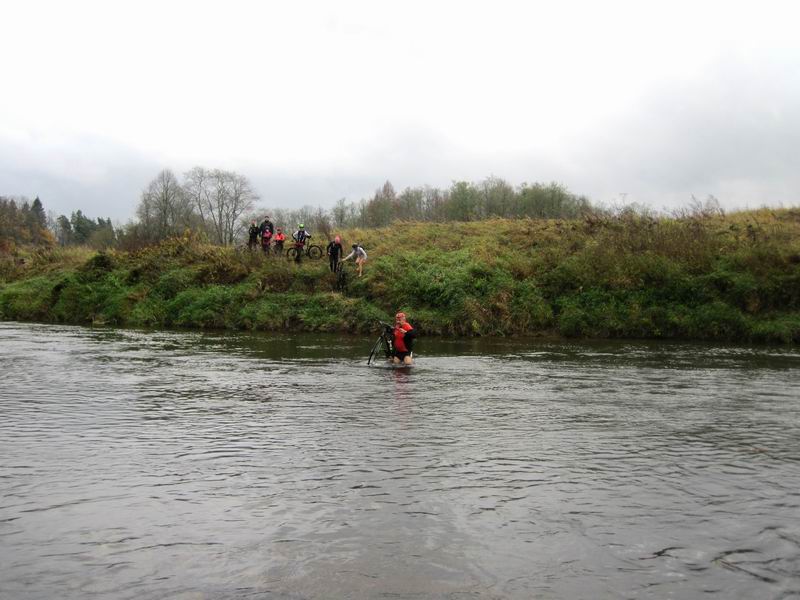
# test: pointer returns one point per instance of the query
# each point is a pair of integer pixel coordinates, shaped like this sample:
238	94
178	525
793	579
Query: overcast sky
315	101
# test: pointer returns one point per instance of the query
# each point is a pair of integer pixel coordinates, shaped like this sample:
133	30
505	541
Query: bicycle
298	250
341	277
384	342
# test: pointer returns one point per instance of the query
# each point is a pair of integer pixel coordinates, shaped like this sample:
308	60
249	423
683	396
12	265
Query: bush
717	321
27	300
734	277
783	329
214	307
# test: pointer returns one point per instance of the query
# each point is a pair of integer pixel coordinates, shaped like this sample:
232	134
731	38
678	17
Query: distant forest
219	204
23	222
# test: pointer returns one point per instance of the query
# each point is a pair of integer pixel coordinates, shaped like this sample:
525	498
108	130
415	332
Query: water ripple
183	464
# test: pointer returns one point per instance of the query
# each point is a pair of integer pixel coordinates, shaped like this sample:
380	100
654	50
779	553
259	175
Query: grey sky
318	101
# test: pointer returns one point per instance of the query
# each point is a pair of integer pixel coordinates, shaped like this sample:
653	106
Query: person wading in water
403	341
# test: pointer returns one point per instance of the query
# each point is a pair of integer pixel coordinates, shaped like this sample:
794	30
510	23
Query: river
192	465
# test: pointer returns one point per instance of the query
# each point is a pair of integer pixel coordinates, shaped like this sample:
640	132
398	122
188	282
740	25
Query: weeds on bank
696	275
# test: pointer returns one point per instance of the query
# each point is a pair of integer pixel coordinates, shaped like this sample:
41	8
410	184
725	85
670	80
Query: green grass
733	278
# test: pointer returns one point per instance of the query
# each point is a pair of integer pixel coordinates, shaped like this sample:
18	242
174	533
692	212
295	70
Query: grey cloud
734	134
97	176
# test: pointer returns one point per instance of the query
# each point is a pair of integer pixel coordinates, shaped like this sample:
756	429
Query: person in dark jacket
266	224
334	252
254	232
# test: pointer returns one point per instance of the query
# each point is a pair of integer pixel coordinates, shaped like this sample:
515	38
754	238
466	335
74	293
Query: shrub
27	300
784	329
718	321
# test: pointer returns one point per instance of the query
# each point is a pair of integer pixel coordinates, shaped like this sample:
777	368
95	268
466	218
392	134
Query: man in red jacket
403	342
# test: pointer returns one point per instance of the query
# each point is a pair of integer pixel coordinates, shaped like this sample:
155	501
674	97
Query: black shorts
401	355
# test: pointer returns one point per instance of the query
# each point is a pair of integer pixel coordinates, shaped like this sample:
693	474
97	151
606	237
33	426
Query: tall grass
630	274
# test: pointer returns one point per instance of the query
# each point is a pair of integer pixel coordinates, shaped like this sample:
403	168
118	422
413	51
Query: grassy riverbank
733	278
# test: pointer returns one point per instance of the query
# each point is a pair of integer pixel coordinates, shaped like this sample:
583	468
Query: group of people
335	251
266	236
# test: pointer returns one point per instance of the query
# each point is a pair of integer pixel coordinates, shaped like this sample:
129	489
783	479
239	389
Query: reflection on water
194	465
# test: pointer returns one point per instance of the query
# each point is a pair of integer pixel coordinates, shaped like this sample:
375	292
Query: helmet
355	246
337	239
301	226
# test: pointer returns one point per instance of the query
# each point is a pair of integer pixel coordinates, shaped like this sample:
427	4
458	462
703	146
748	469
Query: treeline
208	202
218	205
22	222
462	202
80	230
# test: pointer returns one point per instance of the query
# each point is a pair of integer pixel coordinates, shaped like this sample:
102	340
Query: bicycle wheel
315	252
374	350
341	280
293	253
387	350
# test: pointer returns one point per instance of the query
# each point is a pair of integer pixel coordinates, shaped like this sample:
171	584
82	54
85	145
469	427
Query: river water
226	465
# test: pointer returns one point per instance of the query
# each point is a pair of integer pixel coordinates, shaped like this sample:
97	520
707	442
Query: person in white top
361	257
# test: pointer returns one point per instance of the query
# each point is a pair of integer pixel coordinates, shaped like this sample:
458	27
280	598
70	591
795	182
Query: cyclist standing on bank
300	236
334	252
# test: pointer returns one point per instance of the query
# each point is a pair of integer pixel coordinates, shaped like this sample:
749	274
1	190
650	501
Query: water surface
217	465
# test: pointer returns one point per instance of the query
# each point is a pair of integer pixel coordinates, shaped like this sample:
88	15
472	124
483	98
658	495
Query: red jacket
399	337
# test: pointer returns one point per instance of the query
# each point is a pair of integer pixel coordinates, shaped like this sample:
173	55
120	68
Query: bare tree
321	223
340	212
164	209
222	200
197	188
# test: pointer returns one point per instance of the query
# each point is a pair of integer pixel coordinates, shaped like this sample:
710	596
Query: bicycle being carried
384	344
341	277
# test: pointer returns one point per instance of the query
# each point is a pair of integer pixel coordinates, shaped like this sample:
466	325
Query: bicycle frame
384	342
299	249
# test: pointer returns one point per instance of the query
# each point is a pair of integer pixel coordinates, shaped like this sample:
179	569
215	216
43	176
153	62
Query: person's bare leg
407	360
395	360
